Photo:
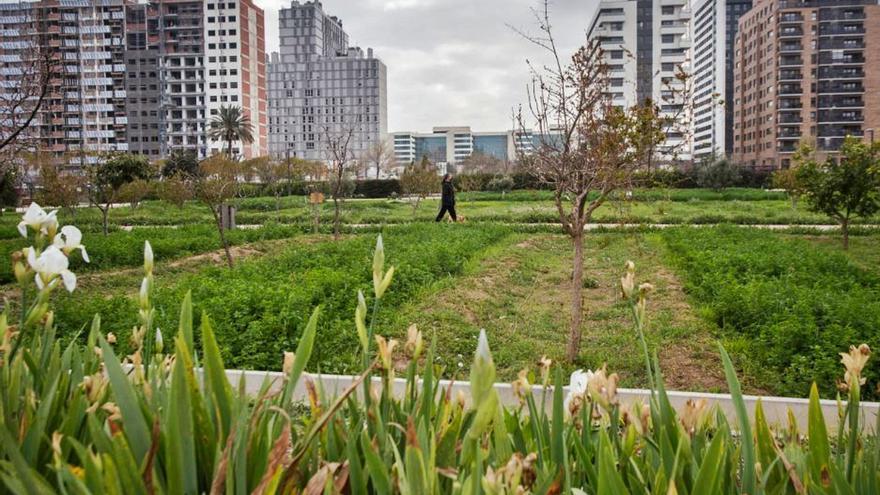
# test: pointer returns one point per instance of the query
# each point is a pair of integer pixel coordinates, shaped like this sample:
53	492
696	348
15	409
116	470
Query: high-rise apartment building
235	68
645	43
713	32
186	59
84	109
140	76
805	72
320	88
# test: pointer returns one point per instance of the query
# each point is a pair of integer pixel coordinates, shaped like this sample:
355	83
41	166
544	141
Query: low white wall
775	408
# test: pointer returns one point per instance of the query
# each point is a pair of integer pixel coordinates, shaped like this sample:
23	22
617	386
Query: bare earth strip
519	292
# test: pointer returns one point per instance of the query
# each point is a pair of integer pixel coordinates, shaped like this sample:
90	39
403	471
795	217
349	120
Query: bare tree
59	186
418	181
216	184
270	173
586	147
21	103
380	156
482	163
338	143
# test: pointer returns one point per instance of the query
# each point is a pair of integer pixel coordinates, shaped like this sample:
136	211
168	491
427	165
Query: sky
450	62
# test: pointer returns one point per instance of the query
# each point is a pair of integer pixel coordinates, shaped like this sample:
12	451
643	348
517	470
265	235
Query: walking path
587	227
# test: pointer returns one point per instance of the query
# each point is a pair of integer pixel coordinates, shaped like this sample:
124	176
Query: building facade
713	31
446	146
321	89
804	73
84	111
140	76
646	42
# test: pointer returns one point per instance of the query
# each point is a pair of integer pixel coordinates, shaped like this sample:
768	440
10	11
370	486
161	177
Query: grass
674	206
785	308
519	293
262	304
785	304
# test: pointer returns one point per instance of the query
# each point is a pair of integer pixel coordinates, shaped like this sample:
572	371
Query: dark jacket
448	196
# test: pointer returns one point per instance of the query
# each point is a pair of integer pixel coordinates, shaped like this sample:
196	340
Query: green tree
109	174
501	184
231	125
717	173
787	179
843	187
418	181
182	162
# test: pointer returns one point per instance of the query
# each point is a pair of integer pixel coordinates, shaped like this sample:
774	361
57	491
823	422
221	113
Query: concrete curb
776	409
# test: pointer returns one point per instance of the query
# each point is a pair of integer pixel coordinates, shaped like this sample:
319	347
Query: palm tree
231	125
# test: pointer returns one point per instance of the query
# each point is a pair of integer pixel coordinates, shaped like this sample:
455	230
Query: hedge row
383	188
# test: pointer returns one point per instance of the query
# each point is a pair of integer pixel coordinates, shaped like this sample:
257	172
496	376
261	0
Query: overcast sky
450	62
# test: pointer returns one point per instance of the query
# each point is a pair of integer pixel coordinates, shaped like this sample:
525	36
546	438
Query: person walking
447	199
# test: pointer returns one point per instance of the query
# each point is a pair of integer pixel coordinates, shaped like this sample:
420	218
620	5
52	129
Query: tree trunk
377	171
222	235
105	214
577	285
336	218
844	226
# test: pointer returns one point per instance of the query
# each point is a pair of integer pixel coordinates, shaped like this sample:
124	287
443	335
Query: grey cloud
450	62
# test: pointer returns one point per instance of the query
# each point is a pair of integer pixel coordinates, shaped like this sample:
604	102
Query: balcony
790	118
827	72
787	147
842	43
834	86
826	101
852	14
839	130
789	133
790	46
841	29
790	89
787	17
844	116
791	32
790	61
790	104
827	58
790	75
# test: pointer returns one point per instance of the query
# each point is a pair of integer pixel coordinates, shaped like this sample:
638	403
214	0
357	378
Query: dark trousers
444	209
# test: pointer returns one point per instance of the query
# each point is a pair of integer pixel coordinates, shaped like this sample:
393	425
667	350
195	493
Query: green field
785	304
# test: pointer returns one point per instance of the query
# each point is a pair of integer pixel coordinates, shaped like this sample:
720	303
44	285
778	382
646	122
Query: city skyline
464	66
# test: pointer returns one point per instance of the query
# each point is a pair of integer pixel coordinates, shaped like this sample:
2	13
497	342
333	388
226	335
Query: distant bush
373	188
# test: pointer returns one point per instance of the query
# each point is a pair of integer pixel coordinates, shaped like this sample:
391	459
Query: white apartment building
713	33
645	44
235	69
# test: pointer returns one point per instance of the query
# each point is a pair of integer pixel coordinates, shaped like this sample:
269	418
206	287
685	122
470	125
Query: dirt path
519	294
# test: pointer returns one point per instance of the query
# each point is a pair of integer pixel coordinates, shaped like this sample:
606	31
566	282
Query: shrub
382	188
717	173
500	184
